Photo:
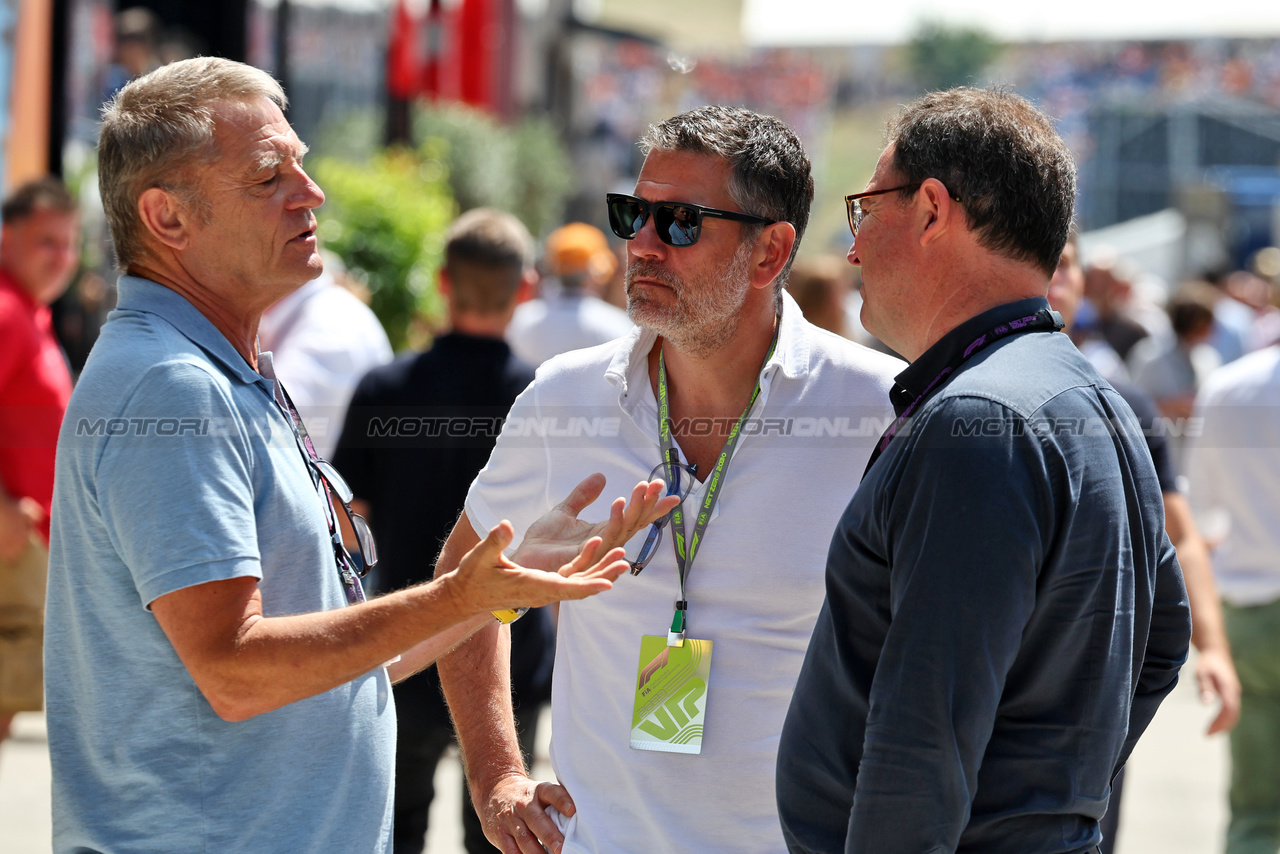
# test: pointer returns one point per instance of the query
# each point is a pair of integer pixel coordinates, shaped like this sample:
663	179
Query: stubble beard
706	313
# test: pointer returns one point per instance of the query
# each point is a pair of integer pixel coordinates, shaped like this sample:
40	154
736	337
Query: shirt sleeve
1206	467
514	483
967	539
183	465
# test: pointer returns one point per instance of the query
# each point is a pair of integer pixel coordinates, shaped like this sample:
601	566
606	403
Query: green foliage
386	215
942	56
386	219
523	168
544	177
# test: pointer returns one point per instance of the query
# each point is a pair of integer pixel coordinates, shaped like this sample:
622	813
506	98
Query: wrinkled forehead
253	135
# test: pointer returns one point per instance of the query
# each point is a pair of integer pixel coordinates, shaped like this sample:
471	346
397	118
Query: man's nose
646	243
308	193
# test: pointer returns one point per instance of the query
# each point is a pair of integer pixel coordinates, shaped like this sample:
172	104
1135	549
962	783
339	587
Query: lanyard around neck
1044	320
686	551
350	578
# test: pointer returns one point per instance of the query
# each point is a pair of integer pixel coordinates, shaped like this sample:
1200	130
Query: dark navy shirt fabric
1004	614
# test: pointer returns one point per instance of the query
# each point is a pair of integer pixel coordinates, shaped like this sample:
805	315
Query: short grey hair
770	175
155	132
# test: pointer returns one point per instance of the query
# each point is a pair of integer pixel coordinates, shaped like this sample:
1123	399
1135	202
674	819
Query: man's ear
937	209
528	287
167	219
772	251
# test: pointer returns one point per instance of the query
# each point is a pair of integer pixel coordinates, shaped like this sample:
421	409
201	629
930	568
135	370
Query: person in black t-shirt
416	433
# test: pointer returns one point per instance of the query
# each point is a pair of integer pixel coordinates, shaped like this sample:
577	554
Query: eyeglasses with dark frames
677	223
680	479
854	202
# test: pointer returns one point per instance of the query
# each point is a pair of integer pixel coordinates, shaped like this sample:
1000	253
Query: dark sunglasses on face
678	223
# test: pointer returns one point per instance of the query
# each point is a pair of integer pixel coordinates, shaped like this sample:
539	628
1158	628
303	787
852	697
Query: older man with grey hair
216	679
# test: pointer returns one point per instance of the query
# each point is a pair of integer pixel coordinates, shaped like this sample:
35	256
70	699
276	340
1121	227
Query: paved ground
1174	801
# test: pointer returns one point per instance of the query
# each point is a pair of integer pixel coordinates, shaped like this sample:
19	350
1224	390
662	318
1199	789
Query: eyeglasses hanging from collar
351	568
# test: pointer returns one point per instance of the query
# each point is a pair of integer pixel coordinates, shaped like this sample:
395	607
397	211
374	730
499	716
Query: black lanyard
1044	320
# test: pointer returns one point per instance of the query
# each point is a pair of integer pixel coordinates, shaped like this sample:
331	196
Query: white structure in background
1159	244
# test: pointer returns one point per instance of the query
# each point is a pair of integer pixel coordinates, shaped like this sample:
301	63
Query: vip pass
674	672
671	695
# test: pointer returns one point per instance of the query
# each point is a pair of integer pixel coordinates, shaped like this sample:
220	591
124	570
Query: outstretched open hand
486	579
557	536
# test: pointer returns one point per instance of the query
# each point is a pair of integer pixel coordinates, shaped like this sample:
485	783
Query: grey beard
706	314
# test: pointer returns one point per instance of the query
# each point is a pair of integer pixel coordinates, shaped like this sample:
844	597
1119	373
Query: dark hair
769	171
1001	158
1191	308
41	194
486	253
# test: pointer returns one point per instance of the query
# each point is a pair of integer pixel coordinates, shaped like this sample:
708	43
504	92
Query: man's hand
514	815
17	520
558	535
1216	677
486	580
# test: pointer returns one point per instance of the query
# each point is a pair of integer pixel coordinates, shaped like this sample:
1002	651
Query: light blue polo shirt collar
144	295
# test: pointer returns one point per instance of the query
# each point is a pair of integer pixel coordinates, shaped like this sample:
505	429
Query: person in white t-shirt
569	314
324	339
668	700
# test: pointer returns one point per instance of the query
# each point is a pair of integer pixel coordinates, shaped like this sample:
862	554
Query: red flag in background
462	51
403	74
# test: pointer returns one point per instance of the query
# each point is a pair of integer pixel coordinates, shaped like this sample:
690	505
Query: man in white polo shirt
1234	470
668	700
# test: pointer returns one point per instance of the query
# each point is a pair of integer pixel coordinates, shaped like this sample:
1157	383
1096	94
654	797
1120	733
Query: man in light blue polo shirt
215	681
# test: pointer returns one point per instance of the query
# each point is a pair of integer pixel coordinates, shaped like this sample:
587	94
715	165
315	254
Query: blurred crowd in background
1167	327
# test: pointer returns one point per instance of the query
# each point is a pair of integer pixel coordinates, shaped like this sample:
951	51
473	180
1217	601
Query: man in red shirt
39	245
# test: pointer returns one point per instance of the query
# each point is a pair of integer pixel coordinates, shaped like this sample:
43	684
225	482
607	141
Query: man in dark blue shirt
1004	610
